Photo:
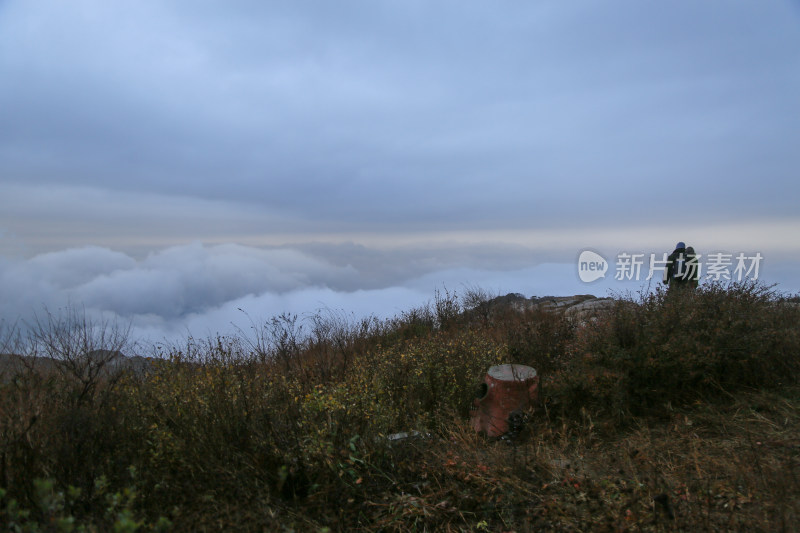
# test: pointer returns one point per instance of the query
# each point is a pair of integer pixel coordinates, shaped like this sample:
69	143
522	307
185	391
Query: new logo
591	266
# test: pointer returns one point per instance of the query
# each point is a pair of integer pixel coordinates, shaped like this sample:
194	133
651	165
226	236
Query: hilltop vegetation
663	412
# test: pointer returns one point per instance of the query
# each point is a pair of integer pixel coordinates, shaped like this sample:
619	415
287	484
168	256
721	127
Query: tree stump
506	389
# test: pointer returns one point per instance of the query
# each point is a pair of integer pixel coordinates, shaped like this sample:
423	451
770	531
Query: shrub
289	428
678	347
542	340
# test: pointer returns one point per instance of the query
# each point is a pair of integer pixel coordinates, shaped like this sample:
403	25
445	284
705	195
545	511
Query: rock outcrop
580	307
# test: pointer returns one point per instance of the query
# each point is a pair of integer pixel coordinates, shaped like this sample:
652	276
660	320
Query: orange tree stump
506	389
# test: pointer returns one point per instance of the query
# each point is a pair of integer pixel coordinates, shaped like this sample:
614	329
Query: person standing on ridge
692	268
675	269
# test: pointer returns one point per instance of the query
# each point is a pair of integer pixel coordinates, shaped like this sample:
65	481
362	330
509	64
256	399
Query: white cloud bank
203	290
196	289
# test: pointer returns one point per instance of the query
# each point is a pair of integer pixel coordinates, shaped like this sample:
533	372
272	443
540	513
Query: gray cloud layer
409	114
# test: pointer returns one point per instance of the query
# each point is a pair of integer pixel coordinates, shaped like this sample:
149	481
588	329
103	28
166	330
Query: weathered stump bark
506	389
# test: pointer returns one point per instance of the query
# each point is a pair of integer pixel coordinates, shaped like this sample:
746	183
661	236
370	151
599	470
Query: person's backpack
679	269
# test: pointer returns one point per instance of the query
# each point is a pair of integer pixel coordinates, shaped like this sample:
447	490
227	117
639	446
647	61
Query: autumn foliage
670	411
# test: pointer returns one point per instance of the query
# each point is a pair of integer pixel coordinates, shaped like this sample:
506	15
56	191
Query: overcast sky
173	161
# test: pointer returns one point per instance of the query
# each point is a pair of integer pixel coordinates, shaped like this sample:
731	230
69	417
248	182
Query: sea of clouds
203	290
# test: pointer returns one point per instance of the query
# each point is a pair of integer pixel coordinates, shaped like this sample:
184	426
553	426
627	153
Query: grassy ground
672	412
